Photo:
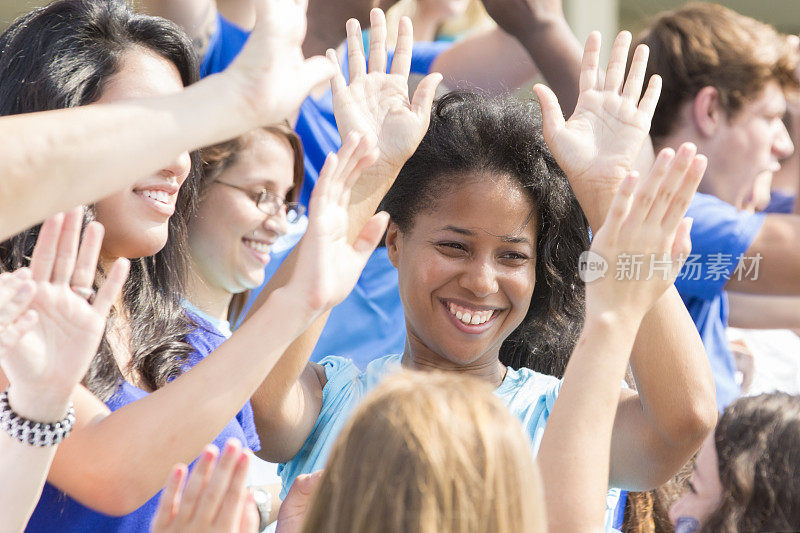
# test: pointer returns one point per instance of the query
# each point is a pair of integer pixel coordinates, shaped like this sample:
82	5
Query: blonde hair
430	452
474	19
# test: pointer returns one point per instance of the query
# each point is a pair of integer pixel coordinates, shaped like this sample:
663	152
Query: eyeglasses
270	203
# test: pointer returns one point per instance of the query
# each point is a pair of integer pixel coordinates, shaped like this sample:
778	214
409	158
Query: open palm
376	103
271	69
52	357
329	264
600	142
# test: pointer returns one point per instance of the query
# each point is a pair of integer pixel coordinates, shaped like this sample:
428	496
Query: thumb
371	235
552	116
423	97
316	70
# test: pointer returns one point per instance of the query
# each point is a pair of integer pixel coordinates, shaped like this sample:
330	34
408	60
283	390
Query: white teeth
158	196
259	247
472	318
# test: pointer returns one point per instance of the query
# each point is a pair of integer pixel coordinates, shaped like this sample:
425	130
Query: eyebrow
505	238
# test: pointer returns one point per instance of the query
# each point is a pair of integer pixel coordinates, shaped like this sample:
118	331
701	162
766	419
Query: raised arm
49	161
42	381
576	447
198	18
542	31
287	404
658	428
754	311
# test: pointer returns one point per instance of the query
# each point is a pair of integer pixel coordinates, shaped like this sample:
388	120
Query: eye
451	248
691	487
514	258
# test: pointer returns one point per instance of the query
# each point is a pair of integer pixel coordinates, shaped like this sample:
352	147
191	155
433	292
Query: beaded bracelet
34	433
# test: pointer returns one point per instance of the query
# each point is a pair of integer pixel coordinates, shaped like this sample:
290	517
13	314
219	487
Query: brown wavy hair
220	157
758	450
707	45
430	452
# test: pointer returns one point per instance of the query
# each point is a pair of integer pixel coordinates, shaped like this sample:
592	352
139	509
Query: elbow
698	418
117	493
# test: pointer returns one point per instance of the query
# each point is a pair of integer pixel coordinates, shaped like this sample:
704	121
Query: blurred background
584	15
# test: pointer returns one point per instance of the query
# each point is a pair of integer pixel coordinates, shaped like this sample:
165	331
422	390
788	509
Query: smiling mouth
468	316
258	246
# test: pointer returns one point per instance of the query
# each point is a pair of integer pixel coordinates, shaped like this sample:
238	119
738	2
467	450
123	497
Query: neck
426	25
417	356
206	296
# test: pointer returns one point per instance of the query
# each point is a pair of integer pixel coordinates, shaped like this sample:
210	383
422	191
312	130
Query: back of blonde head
430	452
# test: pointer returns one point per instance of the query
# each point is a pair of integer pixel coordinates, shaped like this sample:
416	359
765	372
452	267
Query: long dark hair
758	451
220	157
470	132
61	56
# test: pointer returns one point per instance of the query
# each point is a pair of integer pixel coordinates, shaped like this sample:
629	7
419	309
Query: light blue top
530	396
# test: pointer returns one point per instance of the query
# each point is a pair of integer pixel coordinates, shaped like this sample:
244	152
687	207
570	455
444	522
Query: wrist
46	406
612	317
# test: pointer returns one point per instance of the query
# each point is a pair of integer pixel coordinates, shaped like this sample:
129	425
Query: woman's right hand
645	239
53	356
328	261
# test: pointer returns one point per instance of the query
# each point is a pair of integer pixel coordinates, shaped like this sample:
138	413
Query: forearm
675	386
115	463
55	160
763	312
24	469
557	54
575	450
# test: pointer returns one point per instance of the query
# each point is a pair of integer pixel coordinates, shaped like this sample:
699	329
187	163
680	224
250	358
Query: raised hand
329	262
599	143
214	499
52	357
376	103
645	227
271	72
519	17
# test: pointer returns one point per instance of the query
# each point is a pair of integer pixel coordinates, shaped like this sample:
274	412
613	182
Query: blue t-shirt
370	320
56	511
780	202
721	236
529	396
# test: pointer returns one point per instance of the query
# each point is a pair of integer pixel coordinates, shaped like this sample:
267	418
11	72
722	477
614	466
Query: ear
393	244
707	113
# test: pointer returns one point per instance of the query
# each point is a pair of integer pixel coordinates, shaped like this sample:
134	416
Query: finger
67	246
249	520
355	50
89	252
422	101
112	286
401	62
12	333
338	82
615	72
349	165
682	245
552	116
646	191
235	497
44	253
317	70
15	297
320	193
620	205
210	499
635	81
672	181
683	197
377	41
366	160
648	103
371	234
170	498
198	479
590	63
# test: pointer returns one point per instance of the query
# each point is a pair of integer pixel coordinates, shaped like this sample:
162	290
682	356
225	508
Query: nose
178	168
277	222
480	278
783	146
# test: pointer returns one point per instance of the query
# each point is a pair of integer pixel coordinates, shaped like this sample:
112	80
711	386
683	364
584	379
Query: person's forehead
770	100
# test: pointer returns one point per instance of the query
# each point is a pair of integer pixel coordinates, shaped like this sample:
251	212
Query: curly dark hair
758	450
61	56
471	132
